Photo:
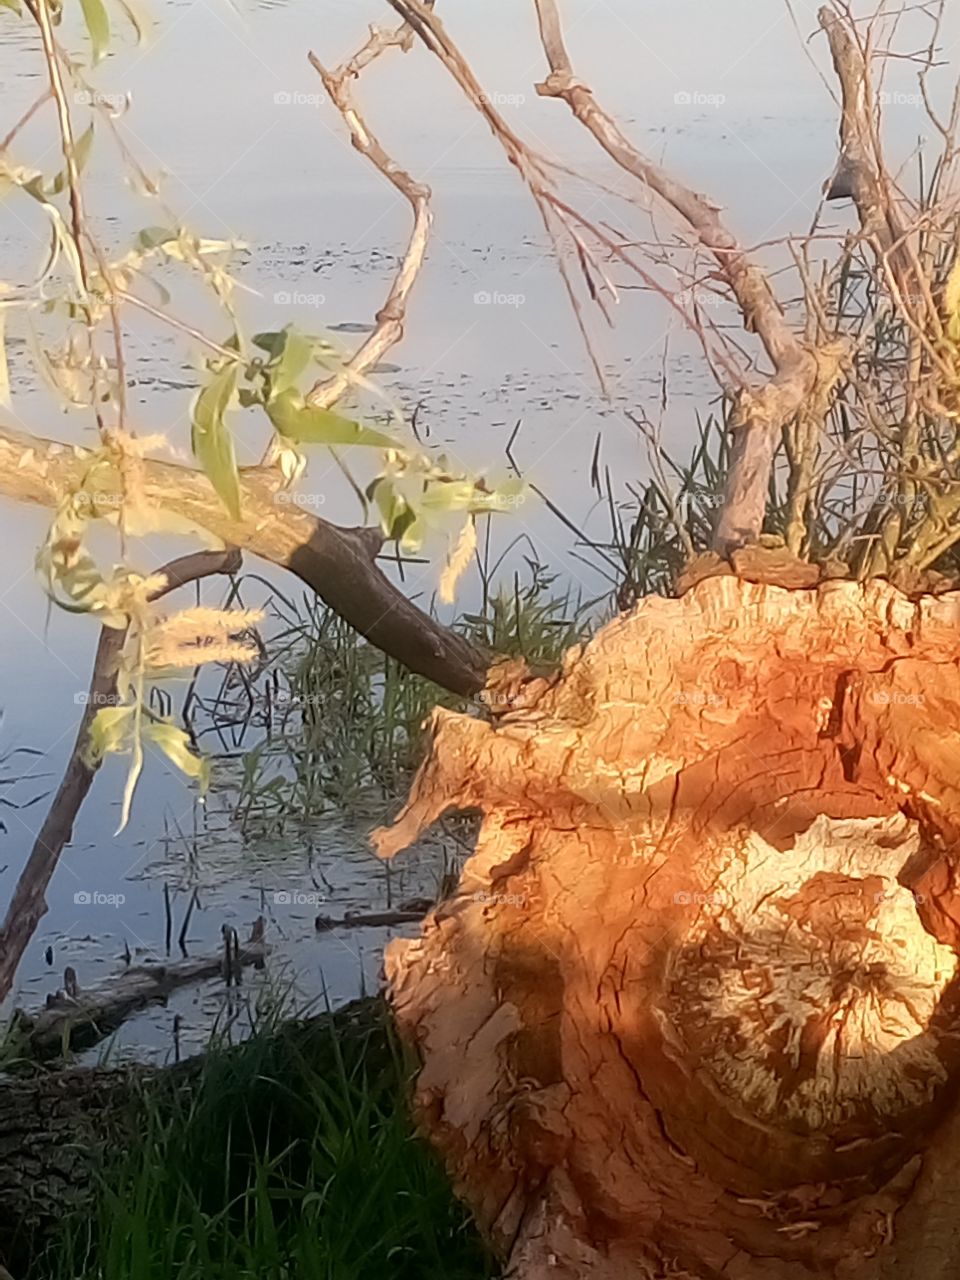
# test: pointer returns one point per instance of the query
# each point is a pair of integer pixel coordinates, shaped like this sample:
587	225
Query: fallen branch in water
77	1019
370	920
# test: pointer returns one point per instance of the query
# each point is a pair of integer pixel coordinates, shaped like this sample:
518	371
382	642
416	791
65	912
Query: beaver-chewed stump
693	1011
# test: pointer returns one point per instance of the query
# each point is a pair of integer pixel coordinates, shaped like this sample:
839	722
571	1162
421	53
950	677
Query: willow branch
388	330
28	905
764	411
338	564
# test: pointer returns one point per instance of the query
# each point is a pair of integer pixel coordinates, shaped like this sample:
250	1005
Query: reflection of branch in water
28	904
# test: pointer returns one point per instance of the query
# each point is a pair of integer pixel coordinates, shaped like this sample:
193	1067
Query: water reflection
225	105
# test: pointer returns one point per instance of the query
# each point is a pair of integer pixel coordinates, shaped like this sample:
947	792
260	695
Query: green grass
290	1157
339	725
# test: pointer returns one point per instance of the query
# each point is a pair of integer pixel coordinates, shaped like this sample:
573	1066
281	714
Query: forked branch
388	330
762	411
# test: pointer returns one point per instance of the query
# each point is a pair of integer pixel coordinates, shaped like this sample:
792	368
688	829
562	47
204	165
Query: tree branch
859	172
388	330
762	412
338	564
28	905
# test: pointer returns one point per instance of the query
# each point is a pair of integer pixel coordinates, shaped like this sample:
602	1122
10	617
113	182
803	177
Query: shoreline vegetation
290	1156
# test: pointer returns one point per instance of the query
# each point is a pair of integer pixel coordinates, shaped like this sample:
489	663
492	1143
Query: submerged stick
83	1018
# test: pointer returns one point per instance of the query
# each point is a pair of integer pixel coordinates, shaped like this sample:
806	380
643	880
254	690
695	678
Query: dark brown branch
338	564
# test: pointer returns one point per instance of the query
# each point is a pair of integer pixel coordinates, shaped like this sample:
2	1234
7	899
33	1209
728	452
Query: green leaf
271	343
293	358
81	154
177	747
154	237
98	25
11	4
108	733
396	515
293	417
412	538
212	442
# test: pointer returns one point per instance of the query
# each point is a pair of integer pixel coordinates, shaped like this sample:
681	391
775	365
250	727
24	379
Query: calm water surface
226	106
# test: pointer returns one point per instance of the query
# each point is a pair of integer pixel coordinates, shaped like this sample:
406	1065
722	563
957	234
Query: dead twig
388	329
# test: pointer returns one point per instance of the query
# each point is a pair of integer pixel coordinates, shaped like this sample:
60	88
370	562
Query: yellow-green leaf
294	418
212	442
177	747
98	25
294	356
109	731
81	154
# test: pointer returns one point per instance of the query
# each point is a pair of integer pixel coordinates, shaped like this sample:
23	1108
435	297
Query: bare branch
390	318
859	173
762	412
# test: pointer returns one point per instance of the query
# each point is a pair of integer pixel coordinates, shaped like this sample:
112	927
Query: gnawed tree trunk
693	1011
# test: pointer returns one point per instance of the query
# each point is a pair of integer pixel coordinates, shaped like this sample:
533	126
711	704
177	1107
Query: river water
227	109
